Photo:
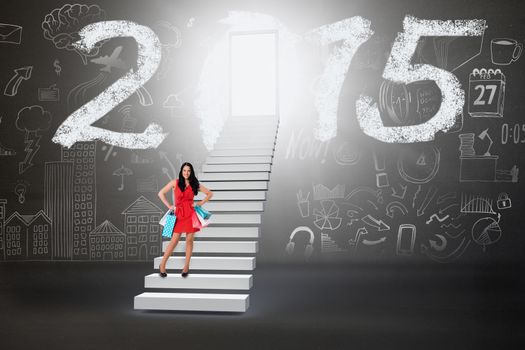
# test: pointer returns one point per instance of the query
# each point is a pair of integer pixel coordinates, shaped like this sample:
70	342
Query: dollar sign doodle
58	69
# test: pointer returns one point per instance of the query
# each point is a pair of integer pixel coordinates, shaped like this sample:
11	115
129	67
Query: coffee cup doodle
504	51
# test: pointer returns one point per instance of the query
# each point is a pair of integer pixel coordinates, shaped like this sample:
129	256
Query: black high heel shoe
184	274
162	274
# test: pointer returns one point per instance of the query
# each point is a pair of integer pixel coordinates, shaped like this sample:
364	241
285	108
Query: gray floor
90	306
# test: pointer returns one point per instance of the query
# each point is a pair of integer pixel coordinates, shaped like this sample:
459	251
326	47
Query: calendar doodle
486	93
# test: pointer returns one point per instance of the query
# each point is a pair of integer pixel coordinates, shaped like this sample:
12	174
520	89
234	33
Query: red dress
184	210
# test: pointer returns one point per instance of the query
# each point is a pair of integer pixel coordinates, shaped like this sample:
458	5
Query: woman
186	187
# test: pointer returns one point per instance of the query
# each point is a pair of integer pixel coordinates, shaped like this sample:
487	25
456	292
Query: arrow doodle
462	247
415	196
439	247
360	232
446	196
395	205
23	73
367	242
379	224
428	198
437	218
441	211
399	195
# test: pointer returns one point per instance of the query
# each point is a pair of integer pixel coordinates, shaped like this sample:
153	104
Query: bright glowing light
211	103
253	65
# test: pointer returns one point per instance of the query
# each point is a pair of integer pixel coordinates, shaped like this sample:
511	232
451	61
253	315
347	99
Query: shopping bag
203	222
195	221
169	225
162	220
202	212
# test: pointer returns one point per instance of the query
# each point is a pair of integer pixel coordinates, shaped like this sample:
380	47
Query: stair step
226	168
234	196
226	232
236	147
246	143
239	160
230	232
241	263
251	133
199	281
192	302
246	140
235	219
242	152
234	176
215	206
216	247
239	185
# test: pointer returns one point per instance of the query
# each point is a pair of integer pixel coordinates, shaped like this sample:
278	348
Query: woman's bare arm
164	190
208	193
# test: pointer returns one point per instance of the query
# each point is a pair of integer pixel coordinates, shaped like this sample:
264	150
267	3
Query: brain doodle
62	25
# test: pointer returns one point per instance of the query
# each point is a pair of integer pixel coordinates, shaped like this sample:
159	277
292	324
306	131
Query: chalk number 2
78	126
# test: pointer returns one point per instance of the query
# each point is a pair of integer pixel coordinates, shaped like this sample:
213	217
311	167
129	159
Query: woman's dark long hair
194	183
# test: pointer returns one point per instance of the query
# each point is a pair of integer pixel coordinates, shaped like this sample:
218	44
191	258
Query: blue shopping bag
169	225
203	213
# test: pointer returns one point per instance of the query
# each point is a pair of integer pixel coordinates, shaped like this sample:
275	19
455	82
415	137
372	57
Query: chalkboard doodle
112	61
481	168
58	67
308	250
21	74
173	102
346	154
419	219
328	216
21	190
504	201
476	204
328	245
62	25
174	174
504	51
77	95
62	205
379	165
149	184
322	192
306	146
486	93
49	94
122	171
448	52
31	120
107	242
420	164
171	38
10	34
486	231
5	151
303	204
409	104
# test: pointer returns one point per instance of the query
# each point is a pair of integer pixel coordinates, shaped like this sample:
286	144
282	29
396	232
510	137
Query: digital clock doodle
512	133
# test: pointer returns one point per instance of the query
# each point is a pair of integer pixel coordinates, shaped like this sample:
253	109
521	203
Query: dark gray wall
362	199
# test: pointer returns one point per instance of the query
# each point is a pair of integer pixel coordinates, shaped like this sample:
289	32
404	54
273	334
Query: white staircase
238	172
